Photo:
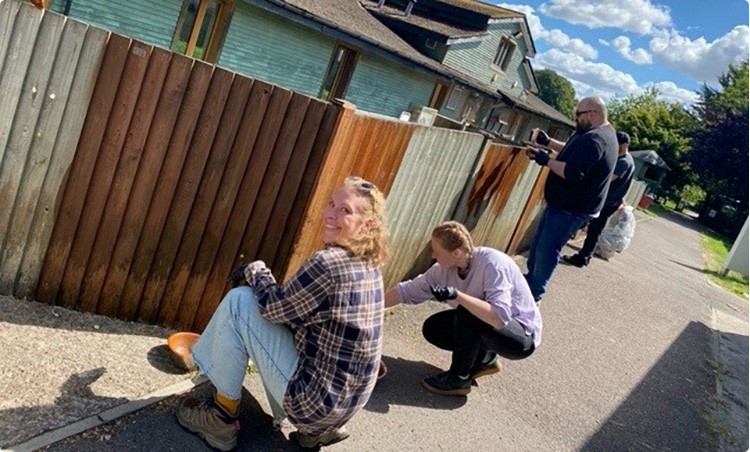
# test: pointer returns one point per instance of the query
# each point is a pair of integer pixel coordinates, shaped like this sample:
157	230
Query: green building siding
268	47
474	59
381	86
150	21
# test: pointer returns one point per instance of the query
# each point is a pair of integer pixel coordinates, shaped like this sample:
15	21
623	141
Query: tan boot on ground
326	439
206	419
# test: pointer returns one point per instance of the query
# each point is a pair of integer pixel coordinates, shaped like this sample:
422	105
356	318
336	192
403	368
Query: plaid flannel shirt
334	305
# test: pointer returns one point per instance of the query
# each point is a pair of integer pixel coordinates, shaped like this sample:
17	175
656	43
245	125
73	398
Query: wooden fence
176	171
133	180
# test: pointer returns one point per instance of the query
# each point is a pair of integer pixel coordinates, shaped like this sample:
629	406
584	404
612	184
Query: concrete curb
109	415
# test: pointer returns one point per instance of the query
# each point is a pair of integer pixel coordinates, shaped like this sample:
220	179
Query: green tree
719	143
557	91
660	126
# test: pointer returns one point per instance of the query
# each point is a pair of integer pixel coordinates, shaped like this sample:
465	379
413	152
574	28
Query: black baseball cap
623	138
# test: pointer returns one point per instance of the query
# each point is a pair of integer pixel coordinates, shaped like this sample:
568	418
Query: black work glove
238	276
542	138
443	293
539	156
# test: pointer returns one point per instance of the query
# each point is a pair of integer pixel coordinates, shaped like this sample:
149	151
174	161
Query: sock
229	406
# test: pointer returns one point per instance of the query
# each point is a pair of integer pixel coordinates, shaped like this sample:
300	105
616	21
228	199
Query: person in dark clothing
618	187
576	187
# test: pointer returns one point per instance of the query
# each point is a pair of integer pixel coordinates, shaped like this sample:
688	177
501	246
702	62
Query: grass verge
715	250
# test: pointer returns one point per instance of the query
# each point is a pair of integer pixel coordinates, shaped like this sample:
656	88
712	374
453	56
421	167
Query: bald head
596	104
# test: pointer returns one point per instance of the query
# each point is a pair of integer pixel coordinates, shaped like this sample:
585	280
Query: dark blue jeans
555	227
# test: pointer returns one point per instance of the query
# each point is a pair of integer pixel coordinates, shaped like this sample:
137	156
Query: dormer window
504	53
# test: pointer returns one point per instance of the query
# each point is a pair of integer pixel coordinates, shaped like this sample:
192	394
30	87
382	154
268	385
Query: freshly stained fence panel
492	206
426	191
529	217
133	178
366	145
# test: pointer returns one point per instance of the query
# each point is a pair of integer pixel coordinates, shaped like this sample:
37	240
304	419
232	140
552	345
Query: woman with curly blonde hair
315	340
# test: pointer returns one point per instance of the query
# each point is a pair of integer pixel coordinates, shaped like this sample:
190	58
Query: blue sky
616	48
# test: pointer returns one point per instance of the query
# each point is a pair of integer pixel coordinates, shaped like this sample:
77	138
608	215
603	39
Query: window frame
453	98
509	47
337	79
216	38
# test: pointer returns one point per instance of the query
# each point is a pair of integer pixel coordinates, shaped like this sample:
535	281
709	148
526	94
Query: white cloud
699	59
603	42
640	16
555	38
638	56
670	92
600	77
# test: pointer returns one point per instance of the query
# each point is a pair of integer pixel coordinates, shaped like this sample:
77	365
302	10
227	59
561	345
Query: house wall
271	48
381	86
150	21
475	59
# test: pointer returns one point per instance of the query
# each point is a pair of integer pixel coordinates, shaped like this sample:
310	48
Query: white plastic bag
616	235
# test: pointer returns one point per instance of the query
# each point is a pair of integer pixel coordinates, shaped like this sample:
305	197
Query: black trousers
469	338
594	230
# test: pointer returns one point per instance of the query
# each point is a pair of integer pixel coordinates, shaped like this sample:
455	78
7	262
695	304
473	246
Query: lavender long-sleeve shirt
493	277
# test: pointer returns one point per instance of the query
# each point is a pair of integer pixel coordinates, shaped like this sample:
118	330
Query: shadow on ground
679	382
76	391
401	386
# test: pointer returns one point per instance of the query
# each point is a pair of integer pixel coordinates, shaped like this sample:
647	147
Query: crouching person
494	313
315	340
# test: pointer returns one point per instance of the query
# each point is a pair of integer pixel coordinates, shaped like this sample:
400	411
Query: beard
582	128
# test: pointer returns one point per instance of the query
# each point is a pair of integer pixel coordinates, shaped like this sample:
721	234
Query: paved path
627	364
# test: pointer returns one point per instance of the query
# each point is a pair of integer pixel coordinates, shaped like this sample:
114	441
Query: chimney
409	7
381	3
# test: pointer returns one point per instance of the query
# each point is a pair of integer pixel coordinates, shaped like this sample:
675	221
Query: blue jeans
555	228
238	332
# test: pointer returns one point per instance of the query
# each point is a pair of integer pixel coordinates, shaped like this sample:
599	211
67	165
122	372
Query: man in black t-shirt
576	187
618	187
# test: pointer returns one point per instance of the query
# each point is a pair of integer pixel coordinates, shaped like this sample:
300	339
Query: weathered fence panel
47	76
426	191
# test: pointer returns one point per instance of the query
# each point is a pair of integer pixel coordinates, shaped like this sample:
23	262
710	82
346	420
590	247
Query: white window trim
453	98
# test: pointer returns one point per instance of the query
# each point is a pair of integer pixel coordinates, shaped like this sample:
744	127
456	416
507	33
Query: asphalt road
627	363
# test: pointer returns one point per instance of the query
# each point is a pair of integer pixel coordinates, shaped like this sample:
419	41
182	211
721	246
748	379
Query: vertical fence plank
165	187
273	176
229	241
47	208
302	196
531	209
43	135
255	110
187	187
8	14
101	180
333	161
15	66
23	124
291	179
122	183
82	168
212	175
160	132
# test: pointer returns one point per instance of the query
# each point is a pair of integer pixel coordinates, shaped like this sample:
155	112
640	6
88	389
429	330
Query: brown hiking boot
326	439
205	418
